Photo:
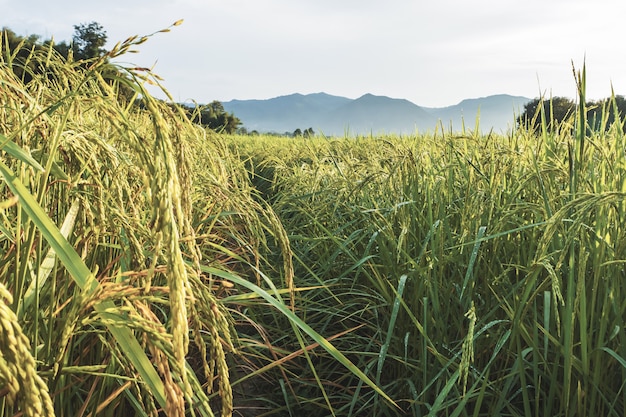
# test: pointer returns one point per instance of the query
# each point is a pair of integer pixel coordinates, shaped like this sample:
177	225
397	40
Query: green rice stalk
467	357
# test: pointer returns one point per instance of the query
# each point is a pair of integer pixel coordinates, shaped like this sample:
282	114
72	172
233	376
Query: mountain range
335	115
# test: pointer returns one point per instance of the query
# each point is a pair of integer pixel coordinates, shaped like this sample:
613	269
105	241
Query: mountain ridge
336	115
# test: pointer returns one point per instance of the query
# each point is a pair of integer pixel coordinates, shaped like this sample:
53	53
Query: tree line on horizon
558	110
88	41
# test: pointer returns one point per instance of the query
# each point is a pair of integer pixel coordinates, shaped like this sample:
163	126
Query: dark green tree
308	133
605	112
12	40
297	133
17	51
600	114
28	56
88	40
215	117
556	110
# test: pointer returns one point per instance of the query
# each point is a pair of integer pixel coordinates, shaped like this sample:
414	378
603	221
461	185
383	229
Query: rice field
150	267
468	274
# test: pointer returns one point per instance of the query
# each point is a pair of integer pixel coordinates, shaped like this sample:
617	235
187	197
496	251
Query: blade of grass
470	266
17	152
48	263
382	356
436	407
323	342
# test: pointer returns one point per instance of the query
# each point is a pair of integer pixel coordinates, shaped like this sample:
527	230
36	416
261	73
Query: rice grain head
18	370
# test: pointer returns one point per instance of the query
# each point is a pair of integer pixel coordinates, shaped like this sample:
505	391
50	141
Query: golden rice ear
23	386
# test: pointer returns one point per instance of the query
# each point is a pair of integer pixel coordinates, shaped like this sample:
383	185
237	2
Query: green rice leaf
470	266
443	394
332	350
84	279
15	151
392	323
617	357
48	263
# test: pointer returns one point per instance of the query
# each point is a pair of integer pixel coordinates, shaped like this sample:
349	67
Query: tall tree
556	110
89	40
215	117
308	133
603	112
600	115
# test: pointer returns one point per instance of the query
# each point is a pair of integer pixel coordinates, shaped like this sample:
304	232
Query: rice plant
467	274
149	266
135	253
100	253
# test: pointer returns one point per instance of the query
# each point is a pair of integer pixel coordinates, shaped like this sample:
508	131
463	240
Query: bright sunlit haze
433	54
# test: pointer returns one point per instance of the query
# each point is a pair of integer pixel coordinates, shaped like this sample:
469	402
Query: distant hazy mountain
333	115
495	112
375	114
285	113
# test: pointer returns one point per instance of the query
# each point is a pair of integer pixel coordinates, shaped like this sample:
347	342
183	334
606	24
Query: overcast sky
433	53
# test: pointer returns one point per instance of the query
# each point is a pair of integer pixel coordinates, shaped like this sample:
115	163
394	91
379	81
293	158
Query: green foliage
123	229
307	133
30	57
214	117
17	51
88	41
558	112
602	114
